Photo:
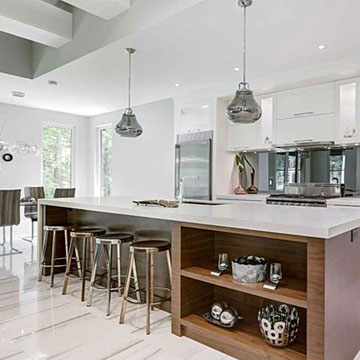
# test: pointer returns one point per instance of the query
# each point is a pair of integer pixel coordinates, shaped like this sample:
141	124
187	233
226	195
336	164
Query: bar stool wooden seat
87	235
150	248
106	243
55	229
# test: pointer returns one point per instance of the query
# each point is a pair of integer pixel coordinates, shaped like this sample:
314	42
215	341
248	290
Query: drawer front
308	101
243	136
306	129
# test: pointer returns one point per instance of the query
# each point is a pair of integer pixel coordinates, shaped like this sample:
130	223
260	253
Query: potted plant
240	165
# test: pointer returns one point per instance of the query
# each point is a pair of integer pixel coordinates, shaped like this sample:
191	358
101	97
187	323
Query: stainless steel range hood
306	144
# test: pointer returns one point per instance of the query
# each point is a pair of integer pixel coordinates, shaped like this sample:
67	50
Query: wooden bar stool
87	235
149	247
55	230
106	243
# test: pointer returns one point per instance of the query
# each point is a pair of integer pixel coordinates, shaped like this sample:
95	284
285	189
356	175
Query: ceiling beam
105	9
36	20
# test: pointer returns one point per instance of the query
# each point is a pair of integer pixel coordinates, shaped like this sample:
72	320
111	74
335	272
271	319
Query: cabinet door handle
304	113
349	136
303	140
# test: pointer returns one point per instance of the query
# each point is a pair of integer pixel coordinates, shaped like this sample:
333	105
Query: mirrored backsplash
337	166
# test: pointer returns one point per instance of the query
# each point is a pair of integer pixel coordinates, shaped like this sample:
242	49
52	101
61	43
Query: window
57	157
292	167
337	167
280	170
105	141
287	168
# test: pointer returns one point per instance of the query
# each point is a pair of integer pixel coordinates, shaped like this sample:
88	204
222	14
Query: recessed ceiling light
52	82
205	106
177	85
237	69
321	47
18	94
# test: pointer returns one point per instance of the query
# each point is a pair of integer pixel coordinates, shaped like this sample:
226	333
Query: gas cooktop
297	200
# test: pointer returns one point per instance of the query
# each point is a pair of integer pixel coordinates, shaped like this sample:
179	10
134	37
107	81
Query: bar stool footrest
143	290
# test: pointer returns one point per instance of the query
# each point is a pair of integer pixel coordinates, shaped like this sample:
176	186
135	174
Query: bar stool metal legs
107	242
52	266
149	248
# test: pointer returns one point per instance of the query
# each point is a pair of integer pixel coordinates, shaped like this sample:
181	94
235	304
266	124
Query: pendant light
244	109
128	125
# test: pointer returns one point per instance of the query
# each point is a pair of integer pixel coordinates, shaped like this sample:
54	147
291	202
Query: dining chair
31	211
64	193
9	215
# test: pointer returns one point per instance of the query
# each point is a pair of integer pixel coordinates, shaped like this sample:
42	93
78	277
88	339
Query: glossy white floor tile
37	322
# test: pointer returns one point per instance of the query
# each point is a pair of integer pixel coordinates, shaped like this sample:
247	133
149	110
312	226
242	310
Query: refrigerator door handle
177	169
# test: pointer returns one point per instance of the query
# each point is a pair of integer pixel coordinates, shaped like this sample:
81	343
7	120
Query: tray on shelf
211	320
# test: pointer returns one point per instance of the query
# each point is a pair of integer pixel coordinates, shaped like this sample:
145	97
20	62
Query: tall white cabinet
347	111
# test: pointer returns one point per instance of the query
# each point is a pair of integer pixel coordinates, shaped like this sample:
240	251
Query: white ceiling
106	9
199	49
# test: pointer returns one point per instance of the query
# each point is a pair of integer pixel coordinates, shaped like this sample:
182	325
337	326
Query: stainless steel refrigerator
193	165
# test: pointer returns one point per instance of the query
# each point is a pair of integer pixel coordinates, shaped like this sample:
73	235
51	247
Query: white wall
25	124
142	167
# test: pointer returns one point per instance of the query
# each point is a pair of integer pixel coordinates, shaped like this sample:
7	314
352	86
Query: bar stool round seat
87	235
58	227
55	229
106	243
87	231
114	238
150	248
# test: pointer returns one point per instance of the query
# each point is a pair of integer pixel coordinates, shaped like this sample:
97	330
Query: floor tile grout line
154	323
26	302
12	355
152	354
123	349
61	323
31	314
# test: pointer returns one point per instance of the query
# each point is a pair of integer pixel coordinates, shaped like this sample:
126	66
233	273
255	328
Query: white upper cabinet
306	101
257	136
347	111
194	117
305	129
306	114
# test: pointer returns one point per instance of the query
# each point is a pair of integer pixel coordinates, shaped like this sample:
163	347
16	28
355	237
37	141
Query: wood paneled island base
321	273
321	278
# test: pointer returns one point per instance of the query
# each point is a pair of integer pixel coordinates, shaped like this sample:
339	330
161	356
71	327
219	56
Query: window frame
73	149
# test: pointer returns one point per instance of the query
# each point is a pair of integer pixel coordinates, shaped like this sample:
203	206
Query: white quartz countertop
303	221
245	197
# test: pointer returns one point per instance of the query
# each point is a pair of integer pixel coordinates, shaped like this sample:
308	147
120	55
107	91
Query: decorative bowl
279	326
249	269
230	325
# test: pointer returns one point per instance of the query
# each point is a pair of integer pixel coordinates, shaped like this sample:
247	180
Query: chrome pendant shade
244	109
128	126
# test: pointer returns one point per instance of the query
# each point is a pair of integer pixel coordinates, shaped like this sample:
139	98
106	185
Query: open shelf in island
195	289
291	291
229	340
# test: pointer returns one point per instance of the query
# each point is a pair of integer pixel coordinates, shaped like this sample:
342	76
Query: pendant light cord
129	87
244	48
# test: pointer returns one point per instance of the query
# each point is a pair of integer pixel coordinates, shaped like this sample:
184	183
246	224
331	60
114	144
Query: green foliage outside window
57	158
105	161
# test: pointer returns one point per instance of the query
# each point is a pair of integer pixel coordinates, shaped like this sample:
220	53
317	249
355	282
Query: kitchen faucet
180	194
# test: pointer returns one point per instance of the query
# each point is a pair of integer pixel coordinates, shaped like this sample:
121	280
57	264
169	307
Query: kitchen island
319	249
